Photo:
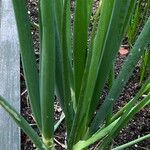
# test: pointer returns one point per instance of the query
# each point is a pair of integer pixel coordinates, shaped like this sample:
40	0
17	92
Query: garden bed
139	126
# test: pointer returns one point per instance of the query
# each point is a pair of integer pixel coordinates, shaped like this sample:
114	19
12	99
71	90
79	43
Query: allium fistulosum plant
76	67
139	17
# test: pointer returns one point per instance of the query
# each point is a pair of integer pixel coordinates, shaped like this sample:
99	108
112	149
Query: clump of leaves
140	15
77	71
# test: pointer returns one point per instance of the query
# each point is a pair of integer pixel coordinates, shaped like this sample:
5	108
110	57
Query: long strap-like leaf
80	42
28	57
130	111
95	137
90	75
124	120
108	130
110	48
58	60
103	49
123	77
21	122
124	146
68	105
47	71
145	87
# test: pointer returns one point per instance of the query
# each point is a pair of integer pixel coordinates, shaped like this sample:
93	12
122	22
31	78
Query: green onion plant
75	65
139	17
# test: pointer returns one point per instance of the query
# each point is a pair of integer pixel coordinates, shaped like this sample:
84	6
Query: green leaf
124	146
58	60
123	77
69	43
96	20
127	115
58	15
47	72
139	17
95	137
90	74
80	43
143	89
21	122
68	104
144	69
62	117
89	8
110	48
28	58
124	120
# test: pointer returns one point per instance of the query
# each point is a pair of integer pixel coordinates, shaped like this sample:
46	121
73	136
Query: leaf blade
123	77
28	58
47	72
21	122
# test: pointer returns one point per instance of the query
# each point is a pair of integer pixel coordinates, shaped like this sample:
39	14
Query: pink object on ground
123	51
